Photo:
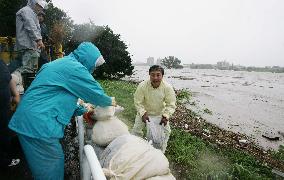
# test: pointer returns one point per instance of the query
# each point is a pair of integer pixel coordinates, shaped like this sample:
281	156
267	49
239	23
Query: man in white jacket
28	35
154	97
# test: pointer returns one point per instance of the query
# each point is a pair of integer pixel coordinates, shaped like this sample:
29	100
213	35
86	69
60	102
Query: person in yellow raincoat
154	97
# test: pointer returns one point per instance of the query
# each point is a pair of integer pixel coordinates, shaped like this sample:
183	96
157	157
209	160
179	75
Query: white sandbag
114	147
130	157
17	77
106	131
103	113
156	133
165	177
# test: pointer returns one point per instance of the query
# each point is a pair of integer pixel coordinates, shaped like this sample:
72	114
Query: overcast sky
245	32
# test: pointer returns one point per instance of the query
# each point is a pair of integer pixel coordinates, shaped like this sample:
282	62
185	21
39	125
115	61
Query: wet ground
243	102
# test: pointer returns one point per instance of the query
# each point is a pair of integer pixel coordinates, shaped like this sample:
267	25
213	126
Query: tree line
63	30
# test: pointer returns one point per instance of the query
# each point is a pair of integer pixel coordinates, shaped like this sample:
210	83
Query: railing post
81	130
94	164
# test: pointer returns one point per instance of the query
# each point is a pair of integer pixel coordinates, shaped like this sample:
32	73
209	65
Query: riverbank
202	150
250	103
198	149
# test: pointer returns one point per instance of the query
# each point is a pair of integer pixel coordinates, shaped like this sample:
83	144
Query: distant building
150	61
223	65
159	60
201	66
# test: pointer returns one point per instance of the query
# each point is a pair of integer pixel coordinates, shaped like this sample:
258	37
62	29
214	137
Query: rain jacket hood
87	54
31	3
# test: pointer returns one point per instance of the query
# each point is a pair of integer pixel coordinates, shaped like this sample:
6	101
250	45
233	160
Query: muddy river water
246	102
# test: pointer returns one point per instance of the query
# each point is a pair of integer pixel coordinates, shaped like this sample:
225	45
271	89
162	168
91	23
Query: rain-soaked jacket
27	28
50	101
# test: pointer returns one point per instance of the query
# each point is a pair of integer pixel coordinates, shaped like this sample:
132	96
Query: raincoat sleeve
170	101
82	84
30	25
80	110
139	97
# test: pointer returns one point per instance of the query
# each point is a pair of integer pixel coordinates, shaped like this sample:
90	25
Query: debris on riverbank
190	122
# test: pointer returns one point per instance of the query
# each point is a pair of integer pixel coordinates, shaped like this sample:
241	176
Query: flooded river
247	102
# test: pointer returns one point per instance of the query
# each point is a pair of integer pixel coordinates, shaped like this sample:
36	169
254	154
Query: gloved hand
145	117
164	121
88	117
113	102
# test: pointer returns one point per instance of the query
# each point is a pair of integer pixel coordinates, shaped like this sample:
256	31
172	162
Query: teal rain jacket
51	100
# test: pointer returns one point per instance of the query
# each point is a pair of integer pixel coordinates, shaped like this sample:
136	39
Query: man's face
156	78
40	18
37	8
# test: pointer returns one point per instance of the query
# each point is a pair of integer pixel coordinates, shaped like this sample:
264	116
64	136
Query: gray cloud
246	32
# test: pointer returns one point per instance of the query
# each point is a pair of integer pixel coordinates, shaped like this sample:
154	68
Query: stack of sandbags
131	157
108	126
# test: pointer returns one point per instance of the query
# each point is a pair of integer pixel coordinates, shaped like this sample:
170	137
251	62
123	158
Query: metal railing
90	167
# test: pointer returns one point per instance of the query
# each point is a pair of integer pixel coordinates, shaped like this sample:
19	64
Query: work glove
88	118
113	102
145	117
164	121
88	115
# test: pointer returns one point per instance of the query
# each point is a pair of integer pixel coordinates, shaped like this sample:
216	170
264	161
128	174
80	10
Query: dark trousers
43	58
5	133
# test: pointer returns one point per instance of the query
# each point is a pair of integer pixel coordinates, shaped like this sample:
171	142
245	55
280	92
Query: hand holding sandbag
88	118
113	102
164	121
145	117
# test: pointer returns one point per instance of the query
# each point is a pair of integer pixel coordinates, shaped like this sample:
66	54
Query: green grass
190	156
202	160
123	92
280	153
183	96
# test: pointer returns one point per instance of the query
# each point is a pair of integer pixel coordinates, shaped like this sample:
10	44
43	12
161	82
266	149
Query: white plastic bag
156	133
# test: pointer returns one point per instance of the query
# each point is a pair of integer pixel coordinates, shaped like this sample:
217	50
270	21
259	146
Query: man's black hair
156	68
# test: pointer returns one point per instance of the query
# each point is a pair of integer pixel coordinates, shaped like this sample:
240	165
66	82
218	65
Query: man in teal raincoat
49	103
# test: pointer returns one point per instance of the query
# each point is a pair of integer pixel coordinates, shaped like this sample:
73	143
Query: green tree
118	60
57	17
114	50
8	9
54	15
171	62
